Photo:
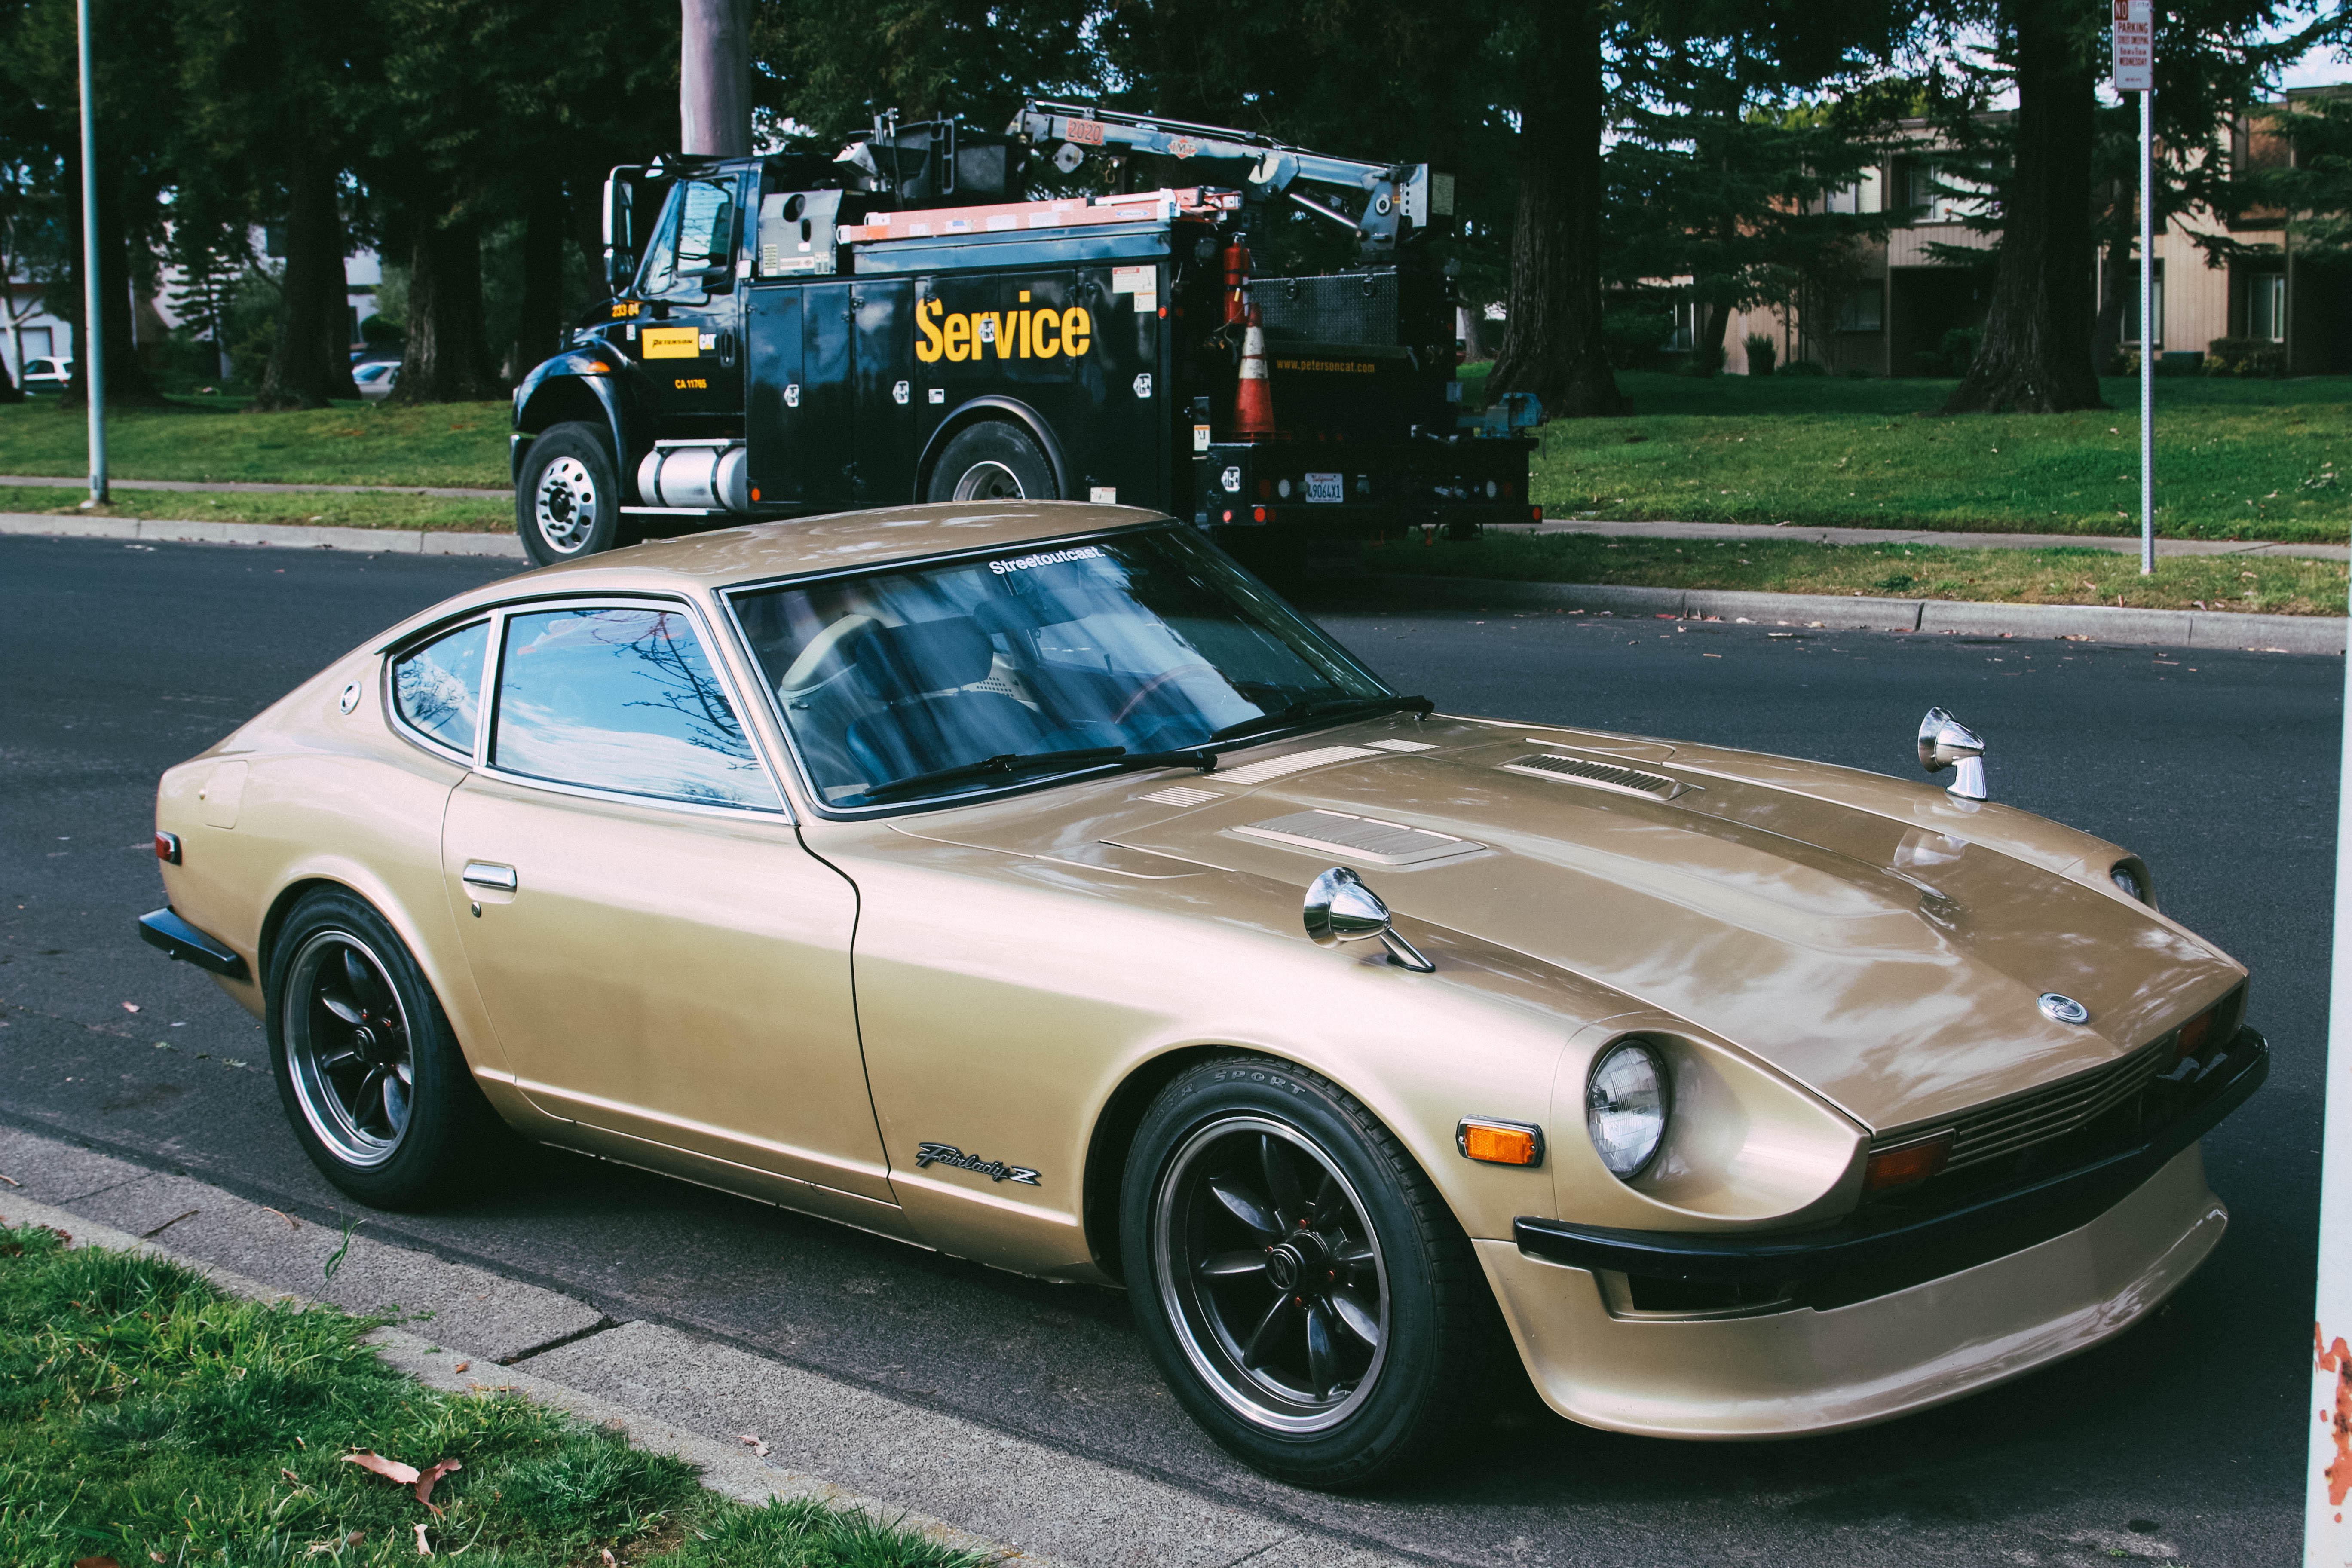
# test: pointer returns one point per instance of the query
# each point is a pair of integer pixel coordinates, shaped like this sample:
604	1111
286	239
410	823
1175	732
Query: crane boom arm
1397	197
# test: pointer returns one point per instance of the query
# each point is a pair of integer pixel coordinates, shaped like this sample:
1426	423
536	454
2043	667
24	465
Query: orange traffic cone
1253	394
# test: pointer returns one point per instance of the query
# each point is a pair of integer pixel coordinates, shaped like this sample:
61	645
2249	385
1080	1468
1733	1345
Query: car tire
568	496
992	460
1369	1287
367	1066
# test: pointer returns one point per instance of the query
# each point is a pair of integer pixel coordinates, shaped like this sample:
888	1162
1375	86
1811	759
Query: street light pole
93	291
2148	330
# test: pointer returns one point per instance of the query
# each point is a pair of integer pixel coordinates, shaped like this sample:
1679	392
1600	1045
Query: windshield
1146	641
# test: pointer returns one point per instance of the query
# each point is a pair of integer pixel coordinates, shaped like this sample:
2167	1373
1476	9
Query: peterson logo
994	1170
1037	333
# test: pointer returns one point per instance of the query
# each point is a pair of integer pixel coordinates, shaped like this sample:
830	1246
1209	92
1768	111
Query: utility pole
92	347
714	77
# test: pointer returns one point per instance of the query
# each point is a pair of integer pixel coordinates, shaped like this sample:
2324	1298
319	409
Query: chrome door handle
482	874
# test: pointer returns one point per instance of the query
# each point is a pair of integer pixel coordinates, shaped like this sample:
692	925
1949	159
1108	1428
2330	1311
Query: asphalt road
2184	1439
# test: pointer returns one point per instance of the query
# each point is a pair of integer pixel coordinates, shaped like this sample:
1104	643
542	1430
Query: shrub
1762	352
1630	337
1706	359
1804	367
2242	356
1958	349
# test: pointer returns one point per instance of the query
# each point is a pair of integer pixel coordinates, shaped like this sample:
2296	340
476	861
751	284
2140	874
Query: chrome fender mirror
1945	742
1340	908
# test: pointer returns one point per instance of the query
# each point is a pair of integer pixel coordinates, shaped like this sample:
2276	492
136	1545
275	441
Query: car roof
834	543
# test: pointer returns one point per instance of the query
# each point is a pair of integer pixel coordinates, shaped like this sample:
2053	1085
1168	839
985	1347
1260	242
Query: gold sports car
1001	877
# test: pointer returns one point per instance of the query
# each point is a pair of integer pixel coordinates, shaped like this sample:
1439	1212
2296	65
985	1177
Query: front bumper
1878	1317
165	929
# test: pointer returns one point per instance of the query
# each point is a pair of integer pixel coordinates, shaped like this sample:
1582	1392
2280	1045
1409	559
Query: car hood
1870	938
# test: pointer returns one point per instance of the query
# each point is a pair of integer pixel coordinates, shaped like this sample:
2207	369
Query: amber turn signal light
167	847
1911	1162
1499	1142
2194	1034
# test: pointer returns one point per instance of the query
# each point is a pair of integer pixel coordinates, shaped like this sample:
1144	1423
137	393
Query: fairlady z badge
994	1170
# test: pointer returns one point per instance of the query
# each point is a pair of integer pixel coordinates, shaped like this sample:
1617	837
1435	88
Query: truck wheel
992	460
568	500
1303	1288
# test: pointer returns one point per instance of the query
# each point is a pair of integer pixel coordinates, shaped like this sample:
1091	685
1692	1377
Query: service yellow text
1014	335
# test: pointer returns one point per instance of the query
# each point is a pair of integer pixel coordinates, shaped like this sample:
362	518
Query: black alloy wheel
367	1066
1302	1285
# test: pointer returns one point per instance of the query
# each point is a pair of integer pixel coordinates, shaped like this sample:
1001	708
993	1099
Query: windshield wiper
1011	763
1300	711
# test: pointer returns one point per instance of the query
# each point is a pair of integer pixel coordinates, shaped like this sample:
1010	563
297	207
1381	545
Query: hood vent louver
1598	775
1364	839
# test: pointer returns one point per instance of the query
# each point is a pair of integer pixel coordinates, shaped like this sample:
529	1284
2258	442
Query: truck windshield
1147	641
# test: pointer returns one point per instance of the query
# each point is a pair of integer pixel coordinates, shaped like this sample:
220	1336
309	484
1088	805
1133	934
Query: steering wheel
1152	685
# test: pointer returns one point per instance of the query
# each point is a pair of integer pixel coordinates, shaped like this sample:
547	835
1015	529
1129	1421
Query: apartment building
1905	293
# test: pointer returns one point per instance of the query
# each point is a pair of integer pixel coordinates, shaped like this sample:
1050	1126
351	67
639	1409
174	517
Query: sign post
2133	40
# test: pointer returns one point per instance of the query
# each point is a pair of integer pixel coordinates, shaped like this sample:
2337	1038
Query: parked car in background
376	379
44	373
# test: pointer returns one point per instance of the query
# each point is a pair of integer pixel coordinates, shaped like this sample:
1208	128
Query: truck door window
696	233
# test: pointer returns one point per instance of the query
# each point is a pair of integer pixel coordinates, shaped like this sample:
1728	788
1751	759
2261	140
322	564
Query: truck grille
1341	308
2045	1113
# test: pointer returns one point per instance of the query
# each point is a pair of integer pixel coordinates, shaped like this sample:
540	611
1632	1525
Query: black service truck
793	334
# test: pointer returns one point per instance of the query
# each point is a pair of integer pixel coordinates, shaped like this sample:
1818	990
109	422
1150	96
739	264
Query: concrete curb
732	1471
254	487
672	1391
2095	623
369	541
1814	534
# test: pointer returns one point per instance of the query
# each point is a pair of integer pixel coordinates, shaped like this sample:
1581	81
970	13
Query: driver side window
696	233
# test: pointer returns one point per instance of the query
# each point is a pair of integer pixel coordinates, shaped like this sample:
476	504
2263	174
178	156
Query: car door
659	955
690	339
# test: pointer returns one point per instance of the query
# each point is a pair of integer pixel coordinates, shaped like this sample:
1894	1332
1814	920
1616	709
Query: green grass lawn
2235	459
146	1417
328	509
2065	574
211	438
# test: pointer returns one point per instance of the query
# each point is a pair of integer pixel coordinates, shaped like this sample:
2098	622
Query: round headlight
1626	1106
2128	878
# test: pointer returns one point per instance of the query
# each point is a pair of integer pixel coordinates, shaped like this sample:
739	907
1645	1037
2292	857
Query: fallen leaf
421	1550
291	1223
96	1563
461	1366
291	1478
355	1537
606	1553
389	1470
424	1482
131	1007
752	1440
11	1182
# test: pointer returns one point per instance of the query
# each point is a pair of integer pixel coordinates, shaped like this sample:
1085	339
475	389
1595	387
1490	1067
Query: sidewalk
1730	531
977	1486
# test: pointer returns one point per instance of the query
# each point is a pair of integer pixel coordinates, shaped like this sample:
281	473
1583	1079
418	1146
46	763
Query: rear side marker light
1535	514
1499	1142
1911	1162
1258	514
167	847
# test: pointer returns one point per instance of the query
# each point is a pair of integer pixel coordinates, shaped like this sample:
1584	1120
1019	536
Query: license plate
1327	487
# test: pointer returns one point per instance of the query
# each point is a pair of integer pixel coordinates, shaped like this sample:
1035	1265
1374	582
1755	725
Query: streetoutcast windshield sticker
1050	558
994	1170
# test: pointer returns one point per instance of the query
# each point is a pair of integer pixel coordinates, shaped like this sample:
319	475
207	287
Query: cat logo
1041	332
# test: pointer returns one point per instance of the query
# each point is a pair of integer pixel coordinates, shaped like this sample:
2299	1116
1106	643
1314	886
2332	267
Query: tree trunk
1706	348
539	323
2107	330
2035	357
126	377
446	362
310	361
1551	338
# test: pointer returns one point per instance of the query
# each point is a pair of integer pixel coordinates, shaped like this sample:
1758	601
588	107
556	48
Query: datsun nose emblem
2062	1009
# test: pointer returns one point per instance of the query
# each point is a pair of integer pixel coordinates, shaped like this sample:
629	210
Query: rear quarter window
438	687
